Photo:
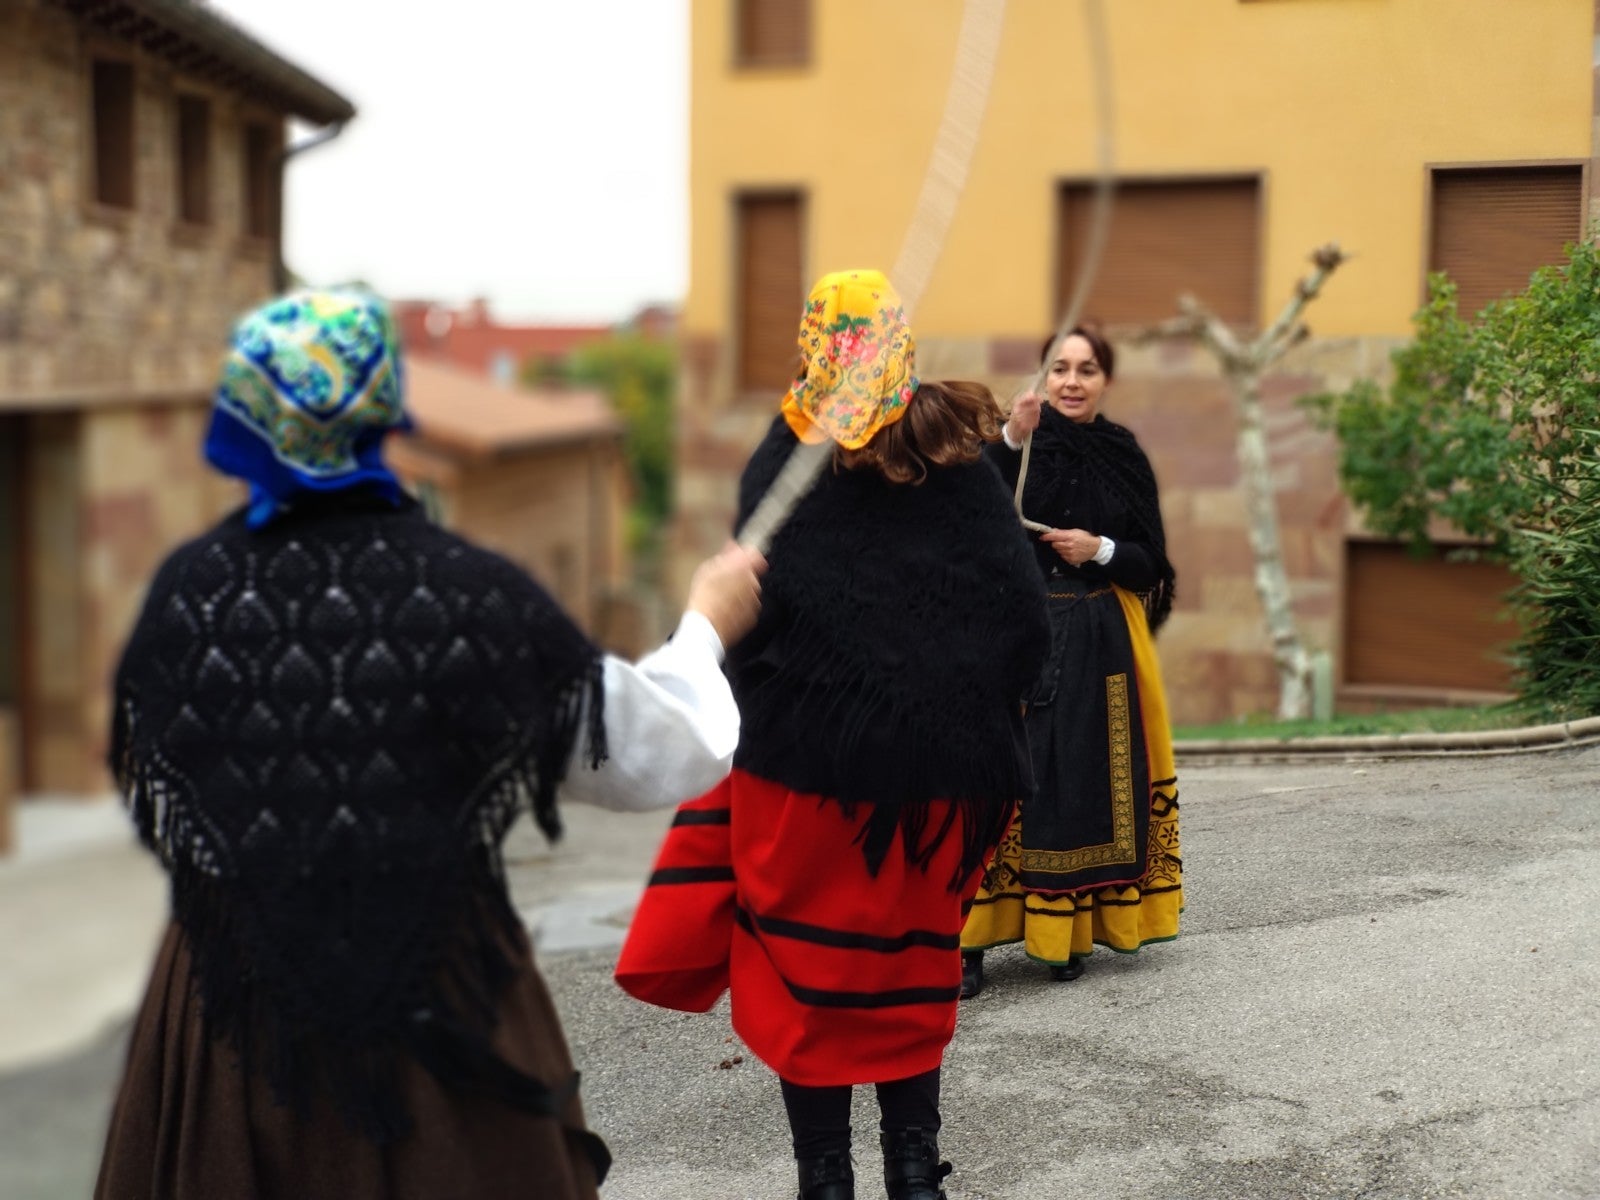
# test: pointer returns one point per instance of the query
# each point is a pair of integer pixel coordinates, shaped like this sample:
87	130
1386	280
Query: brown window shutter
111	83
194	160
1493	228
262	180
771	290
1424	622
1166	238
773	32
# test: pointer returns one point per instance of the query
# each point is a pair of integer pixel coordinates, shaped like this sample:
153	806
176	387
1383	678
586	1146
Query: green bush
640	376
1491	425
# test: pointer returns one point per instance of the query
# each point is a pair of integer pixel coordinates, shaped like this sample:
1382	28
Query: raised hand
726	590
1024	416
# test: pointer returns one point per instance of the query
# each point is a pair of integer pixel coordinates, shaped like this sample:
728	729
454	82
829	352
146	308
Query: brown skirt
190	1125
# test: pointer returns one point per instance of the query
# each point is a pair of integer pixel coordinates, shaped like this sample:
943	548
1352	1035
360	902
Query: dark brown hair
945	424
1103	353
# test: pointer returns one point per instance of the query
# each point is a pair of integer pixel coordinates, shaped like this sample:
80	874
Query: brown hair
945	424
1098	346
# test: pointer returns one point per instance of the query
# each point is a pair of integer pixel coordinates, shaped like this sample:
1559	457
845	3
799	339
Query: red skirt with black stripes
835	976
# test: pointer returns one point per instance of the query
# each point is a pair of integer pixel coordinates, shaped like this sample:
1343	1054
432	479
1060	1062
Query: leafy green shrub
1492	426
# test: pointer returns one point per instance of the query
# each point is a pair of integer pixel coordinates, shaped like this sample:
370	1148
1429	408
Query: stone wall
1215	651
112	492
99	301
556	511
146	490
112	324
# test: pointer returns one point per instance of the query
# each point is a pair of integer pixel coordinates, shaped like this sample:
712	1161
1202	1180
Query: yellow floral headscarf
859	361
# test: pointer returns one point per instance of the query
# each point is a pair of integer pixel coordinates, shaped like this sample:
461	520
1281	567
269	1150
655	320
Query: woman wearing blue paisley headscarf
327	716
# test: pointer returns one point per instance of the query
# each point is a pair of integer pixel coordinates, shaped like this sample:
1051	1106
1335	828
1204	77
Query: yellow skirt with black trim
1055	929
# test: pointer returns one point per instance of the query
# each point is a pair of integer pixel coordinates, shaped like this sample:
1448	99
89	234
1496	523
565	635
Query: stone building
538	477
1422	135
142	145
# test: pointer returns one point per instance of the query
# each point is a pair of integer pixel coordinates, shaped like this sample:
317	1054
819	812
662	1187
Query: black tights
819	1117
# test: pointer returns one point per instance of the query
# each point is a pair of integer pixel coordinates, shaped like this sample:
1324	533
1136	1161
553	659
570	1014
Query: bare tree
1243	365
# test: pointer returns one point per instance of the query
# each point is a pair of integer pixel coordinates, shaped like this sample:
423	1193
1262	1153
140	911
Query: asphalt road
1386	988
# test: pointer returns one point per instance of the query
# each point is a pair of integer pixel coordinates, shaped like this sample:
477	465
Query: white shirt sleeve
671	726
1005	436
1107	549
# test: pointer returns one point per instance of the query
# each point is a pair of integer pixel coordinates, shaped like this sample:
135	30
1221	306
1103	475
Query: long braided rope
1099	43
948	167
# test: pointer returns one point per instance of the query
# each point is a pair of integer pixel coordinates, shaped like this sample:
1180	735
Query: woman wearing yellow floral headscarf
881	750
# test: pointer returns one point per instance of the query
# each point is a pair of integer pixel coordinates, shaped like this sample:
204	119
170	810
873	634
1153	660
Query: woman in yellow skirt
1093	857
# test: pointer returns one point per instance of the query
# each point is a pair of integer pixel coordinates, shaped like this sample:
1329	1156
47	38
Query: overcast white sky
531	151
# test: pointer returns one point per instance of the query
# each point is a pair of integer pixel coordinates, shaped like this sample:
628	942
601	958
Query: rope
949	165
1098	41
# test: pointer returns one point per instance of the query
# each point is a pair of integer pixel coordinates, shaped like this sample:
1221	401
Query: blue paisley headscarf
310	388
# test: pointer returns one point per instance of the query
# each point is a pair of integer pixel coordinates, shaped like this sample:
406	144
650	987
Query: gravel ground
1385	989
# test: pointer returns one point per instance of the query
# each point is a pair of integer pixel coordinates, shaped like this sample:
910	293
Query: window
1166	238
772	33
771	290
1493	227
260	180
194	160
111	87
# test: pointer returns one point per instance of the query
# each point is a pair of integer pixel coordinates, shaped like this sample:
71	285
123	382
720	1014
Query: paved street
1386	989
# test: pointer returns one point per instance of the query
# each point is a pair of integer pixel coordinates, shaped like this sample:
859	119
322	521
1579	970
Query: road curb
1475	743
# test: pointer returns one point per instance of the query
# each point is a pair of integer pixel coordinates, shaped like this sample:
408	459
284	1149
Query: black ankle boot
827	1177
971	973
911	1166
1068	971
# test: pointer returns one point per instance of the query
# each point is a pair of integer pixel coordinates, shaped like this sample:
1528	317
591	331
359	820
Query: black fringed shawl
900	626
324	729
1107	458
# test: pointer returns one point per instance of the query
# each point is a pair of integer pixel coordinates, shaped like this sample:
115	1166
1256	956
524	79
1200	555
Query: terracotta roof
472	339
195	38
473	416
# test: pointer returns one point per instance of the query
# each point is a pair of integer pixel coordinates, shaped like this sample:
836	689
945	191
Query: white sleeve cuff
1107	549
696	628
1005	434
671	726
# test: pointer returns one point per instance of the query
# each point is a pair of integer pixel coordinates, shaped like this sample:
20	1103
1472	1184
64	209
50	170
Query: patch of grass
1416	720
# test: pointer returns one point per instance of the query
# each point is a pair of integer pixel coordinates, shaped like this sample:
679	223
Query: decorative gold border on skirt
1121	848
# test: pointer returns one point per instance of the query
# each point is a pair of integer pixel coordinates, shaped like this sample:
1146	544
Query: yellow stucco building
1421	135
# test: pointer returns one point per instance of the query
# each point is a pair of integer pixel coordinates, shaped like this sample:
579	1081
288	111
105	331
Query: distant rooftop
475	417
202	42
471	337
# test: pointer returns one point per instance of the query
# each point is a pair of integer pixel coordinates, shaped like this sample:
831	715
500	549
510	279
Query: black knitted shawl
1107	456
900	626
324	729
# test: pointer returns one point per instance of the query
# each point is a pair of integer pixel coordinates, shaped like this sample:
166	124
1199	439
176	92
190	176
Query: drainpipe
280	268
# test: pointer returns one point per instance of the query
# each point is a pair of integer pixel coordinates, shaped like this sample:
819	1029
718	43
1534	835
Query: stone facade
112	322
100	303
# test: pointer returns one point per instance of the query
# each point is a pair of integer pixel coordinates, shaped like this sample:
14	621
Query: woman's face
1075	382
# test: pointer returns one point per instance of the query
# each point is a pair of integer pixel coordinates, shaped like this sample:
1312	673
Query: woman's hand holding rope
1024	417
